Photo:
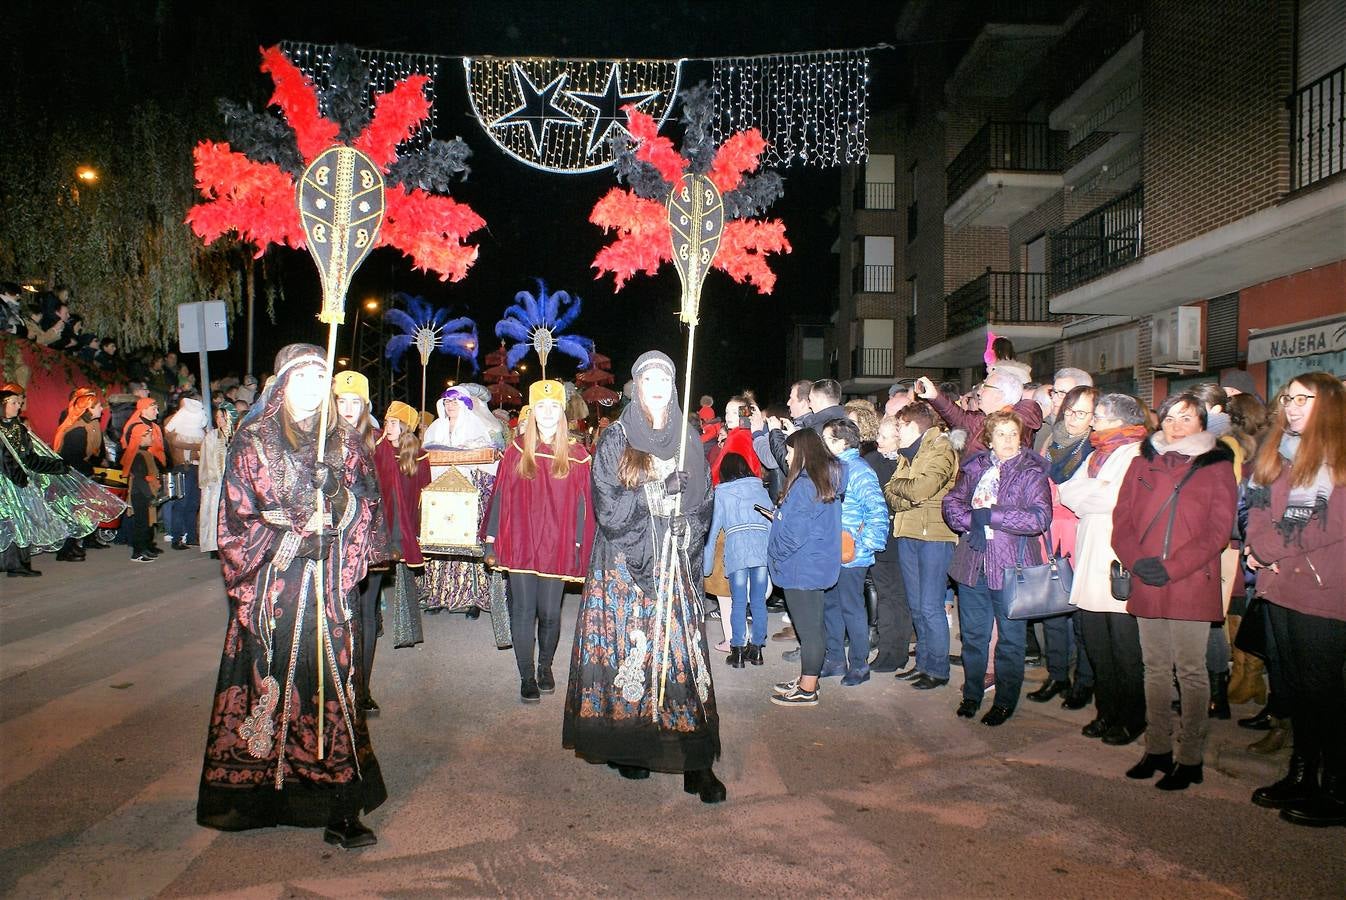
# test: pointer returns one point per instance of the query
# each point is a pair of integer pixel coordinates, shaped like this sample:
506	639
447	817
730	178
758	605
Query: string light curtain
386	69
812	108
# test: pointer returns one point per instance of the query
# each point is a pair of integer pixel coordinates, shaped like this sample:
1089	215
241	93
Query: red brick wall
1305	295
1216	144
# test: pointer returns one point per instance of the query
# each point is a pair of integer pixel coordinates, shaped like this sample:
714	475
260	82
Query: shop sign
1324	337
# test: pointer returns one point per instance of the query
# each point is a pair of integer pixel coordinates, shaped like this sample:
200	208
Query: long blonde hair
560	462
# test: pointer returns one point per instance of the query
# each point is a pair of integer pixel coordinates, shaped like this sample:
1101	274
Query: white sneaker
784	687
796	697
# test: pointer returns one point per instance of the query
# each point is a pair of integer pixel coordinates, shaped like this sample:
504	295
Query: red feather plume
257	200
643	241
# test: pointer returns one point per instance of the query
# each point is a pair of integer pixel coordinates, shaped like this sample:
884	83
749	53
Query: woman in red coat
539	529
403	474
1184	475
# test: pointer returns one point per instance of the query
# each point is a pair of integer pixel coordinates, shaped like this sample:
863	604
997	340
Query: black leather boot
1260	722
1298	785
735	658
349	834
1049	690
704	783
546	681
1078	696
1325	809
753	654
635	773
1180	778
1151	763
1219	695
528	690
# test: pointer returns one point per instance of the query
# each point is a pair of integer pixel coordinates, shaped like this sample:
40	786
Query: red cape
538	517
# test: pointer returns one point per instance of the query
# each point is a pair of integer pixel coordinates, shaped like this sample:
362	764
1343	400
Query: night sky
537	222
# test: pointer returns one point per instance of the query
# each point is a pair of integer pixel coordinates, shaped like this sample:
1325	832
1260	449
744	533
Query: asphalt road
106	673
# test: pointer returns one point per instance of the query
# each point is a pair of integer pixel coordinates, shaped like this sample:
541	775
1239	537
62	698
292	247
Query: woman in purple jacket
1000	505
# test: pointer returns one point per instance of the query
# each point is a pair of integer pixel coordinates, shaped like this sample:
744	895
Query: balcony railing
876	279
1004	147
1318	135
999	298
1098	242
876	195
872	362
1103	31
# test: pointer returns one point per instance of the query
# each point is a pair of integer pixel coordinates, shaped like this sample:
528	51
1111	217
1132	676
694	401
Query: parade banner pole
696	224
341	202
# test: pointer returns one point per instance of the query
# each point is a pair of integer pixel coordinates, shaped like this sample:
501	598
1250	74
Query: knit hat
546	390
402	413
349	382
1239	380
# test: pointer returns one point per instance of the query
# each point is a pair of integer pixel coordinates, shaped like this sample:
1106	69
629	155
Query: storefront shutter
1222	332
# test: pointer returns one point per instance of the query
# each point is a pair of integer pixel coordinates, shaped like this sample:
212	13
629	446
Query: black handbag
1038	592
1252	634
1119	578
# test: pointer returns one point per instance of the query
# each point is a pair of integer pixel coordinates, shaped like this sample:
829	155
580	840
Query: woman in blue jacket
864	516
805	554
745	559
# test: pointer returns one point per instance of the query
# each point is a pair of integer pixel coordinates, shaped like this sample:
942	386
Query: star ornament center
538	108
607	106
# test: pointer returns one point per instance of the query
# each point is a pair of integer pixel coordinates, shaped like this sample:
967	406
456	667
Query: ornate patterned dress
620	707
261	761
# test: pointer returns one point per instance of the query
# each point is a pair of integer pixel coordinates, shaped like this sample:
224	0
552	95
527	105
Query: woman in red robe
403	472
540	529
264	764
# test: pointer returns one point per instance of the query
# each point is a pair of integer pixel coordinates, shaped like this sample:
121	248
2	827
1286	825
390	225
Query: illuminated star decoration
609	106
538	109
536	323
429	329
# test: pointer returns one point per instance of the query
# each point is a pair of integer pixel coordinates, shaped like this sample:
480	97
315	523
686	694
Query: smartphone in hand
769	513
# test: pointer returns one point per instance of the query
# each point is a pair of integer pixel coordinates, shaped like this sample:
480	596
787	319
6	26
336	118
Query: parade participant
403	473
464	423
143	481
79	441
43	502
183	433
264	765
640	696
540	531
214	450
351	390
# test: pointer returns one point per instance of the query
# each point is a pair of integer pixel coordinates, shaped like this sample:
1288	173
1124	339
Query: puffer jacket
916	490
805	544
1022	512
1207	506
864	514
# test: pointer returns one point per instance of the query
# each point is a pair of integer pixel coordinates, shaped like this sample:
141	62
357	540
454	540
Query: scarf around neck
1105	443
1306	494
1065	452
1191	446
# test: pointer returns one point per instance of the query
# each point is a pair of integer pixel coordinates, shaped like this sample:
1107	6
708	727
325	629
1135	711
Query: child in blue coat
745	554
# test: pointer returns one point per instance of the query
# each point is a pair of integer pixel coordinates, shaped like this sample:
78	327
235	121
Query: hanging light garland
560	115
812	108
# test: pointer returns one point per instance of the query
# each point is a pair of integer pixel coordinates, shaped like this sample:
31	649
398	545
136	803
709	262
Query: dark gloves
976	538
981	517
1151	571
676	483
327	479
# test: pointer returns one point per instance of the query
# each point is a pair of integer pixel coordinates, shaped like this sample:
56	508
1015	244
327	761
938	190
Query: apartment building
1151	191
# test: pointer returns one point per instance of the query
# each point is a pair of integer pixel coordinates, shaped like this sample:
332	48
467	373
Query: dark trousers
534	609
892	613
180	515
142	534
978	607
925	572
1112	644
1313	662
1279	699
846	618
806	614
1062	637
366	632
15	558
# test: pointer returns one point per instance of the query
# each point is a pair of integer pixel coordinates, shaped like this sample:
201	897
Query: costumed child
214	452
462	584
79	441
43	502
403	473
540	530
351	391
143	482
291	565
640	696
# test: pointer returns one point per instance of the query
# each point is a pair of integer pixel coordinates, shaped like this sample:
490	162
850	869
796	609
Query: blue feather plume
548	311
457	337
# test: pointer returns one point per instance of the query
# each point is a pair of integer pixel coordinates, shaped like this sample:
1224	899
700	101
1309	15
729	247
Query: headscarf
133	448
475	429
230	420
84	399
157	443
661	443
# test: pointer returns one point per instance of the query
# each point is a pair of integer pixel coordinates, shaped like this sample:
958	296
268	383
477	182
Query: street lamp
87	174
371	307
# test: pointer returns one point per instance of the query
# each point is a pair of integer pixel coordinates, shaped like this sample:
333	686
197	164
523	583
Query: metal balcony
1101	241
1318	133
876	195
872	279
1007	170
996	299
872	362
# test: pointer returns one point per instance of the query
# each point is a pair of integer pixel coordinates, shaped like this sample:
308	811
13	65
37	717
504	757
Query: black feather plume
261	136
432	168
698	114
644	178
346	98
754	195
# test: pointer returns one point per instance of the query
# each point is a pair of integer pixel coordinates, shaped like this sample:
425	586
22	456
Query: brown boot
1253	688
1236	659
1274	740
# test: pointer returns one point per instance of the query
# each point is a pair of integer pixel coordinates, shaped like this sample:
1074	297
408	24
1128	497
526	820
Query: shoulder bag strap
1173	511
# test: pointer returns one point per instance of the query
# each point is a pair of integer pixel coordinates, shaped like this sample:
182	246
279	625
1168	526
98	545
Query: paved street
106	671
